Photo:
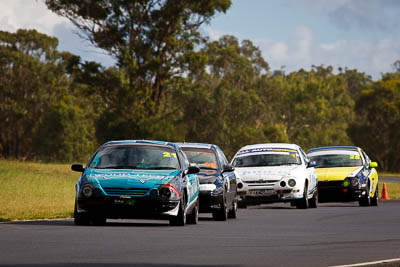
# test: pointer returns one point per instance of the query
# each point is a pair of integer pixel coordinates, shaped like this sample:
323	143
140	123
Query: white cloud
28	14
304	50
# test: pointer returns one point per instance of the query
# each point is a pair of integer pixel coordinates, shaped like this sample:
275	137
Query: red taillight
345	190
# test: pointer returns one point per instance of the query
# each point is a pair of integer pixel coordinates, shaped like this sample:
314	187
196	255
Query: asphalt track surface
268	235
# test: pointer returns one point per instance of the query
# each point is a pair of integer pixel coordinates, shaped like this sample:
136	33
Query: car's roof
271	145
315	149
149	142
196	145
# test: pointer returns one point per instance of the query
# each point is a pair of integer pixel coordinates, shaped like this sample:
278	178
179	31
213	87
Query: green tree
377	125
33	82
316	107
222	104
153	41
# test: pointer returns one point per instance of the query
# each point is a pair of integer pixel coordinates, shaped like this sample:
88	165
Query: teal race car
137	180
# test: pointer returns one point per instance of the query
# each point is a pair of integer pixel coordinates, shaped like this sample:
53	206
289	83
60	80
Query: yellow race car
345	173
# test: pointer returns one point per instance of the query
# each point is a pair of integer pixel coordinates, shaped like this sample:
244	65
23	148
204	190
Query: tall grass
36	190
393	190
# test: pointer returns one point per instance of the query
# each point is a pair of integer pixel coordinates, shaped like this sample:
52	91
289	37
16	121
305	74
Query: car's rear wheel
313	202
80	218
365	200
193	217
232	214
303	202
242	204
180	219
222	213
375	198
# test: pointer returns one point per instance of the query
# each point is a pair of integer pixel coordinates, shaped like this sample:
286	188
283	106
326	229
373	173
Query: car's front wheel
232	214
180	219
313	202
193	217
365	200
222	213
80	218
303	202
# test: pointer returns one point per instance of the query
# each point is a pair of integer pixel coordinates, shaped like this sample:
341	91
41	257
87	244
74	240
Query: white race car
275	172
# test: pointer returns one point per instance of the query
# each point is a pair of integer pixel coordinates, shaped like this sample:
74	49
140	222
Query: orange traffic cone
384	193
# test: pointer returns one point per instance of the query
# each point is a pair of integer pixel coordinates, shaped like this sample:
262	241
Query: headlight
164	193
346	182
87	190
168	192
354	182
292	182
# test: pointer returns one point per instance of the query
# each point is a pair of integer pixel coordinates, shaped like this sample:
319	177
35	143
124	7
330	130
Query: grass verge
36	190
393	190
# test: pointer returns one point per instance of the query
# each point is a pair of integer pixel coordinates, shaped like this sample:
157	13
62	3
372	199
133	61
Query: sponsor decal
257	150
260	172
143	177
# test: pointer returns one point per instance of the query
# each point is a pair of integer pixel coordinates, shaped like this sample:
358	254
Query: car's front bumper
210	201
334	191
128	207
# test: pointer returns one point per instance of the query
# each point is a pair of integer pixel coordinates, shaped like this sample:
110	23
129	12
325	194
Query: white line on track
368	263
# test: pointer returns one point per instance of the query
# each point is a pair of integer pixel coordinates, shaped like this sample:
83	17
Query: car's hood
266	173
336	173
131	178
208	176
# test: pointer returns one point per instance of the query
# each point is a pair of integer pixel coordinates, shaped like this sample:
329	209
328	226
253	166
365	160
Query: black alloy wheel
313	202
232	214
375	198
193	217
365	200
180	219
303	202
222	213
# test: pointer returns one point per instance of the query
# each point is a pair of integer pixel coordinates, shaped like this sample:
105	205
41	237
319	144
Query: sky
291	34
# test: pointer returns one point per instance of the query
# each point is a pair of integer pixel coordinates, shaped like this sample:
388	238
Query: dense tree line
170	83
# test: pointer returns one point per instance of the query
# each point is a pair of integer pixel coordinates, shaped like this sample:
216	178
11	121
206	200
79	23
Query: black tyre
313	203
80	218
242	204
180	219
365	200
375	198
232	214
303	202
193	217
222	213
98	219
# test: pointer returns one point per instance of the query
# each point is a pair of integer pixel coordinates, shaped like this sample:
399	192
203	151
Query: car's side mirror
311	164
77	167
228	168
373	164
193	169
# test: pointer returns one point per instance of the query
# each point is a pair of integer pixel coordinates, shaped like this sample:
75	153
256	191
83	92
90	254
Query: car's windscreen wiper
160	168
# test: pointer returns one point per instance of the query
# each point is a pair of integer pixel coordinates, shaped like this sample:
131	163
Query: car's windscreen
204	158
267	159
336	159
135	157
